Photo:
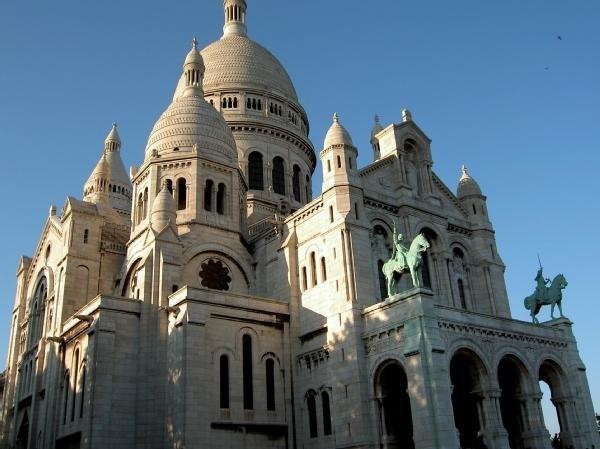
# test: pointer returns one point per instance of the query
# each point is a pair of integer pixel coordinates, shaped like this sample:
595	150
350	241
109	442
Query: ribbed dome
467	186
337	134
237	62
191	122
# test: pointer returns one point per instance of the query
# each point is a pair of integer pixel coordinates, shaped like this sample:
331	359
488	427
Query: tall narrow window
86	235
278	176
270	377
312	415
140	208
304	279
461	294
296	183
382	281
208	189
307	187
313	268
255	171
247	372
339	162
181	194
331	214
326	413
224	381
221	199
75	379
145	203
67	383
323	270
170	185
82	403
356	210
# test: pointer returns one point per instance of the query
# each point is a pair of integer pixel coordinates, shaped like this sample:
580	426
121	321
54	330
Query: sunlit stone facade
208	300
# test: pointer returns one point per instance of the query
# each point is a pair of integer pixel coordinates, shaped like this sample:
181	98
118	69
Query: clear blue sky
490	82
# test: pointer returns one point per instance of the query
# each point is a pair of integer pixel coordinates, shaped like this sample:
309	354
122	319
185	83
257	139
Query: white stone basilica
209	300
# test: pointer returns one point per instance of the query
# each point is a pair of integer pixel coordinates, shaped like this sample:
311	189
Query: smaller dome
467	186
163	208
337	134
194	57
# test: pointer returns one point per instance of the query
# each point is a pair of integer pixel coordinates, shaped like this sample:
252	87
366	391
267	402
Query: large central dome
235	62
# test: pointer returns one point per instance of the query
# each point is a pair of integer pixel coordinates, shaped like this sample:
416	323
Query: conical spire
193	71
235	18
96	189
112	141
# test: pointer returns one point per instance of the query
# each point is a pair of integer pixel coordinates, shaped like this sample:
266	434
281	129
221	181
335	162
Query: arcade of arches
502	408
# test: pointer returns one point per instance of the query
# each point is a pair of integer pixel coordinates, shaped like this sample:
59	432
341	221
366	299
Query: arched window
270	378
208	190
181	194
140	208
312	414
224	381
248	103
323	270
255	171
313	268
326	413
339	161
247	372
296	183
278	176
328	165
235	102
221	199
86	235
37	311
224	103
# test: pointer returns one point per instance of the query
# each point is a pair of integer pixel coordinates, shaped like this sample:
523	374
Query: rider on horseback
399	251
540	290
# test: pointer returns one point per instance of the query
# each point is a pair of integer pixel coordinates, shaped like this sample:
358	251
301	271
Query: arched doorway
395	416
511	381
466	372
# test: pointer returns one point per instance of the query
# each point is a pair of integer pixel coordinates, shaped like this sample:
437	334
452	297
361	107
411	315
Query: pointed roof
112	137
467	186
337	134
377	128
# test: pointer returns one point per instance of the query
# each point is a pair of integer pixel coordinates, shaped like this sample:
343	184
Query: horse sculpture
543	296
402	261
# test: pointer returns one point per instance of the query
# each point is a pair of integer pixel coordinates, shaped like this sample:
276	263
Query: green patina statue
546	295
404	259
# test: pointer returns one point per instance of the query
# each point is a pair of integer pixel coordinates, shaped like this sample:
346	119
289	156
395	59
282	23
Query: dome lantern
235	17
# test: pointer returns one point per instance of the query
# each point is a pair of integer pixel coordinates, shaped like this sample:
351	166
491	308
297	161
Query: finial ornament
465	172
336	117
406	115
194	44
377	119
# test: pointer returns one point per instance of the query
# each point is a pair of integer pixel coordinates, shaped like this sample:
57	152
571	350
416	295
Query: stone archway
395	416
552	375
466	373
512	377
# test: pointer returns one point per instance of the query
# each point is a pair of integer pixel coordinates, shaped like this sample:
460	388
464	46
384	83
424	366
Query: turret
235	18
164	209
470	195
338	157
377	128
109	182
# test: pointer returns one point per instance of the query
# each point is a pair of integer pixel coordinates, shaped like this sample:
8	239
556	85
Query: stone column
490	418
534	433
